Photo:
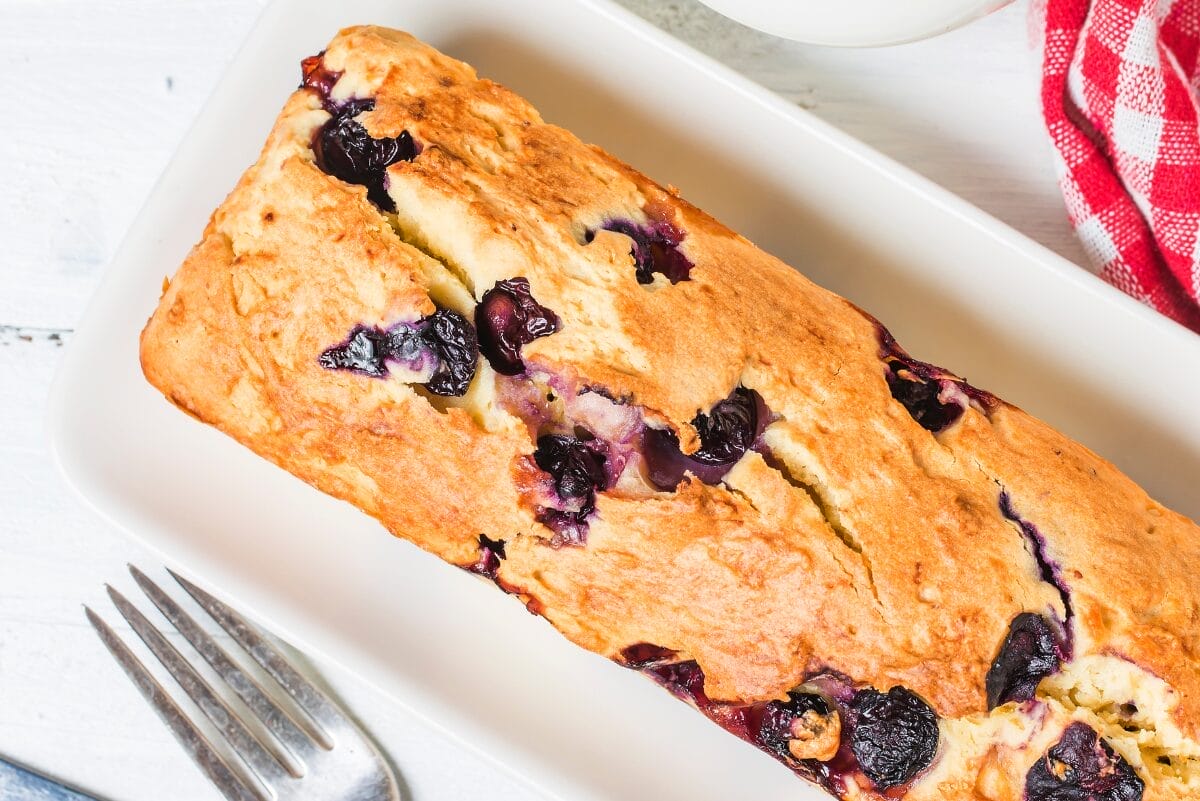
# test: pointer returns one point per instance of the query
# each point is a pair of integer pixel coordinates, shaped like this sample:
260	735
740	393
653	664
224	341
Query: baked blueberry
655	249
490	553
777	724
317	77
508	318
345	150
443	343
453	340
1028	654
922	397
894	736
570	527
640	655
364	351
1082	767
683	679
728	430
933	397
577	466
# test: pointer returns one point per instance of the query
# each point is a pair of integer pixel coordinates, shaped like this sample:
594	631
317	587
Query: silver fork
324	757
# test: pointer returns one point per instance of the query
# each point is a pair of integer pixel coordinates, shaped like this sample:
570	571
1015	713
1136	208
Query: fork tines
275	755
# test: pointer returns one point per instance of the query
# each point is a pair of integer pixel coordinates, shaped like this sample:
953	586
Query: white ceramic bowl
855	23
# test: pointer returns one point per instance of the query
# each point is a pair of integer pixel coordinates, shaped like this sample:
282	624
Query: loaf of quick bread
679	451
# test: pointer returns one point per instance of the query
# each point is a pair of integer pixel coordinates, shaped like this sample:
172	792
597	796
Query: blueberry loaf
680	452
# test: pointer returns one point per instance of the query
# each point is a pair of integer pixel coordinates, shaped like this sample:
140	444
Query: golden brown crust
866	545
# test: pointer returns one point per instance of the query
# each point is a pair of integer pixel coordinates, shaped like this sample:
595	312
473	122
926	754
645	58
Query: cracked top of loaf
679	451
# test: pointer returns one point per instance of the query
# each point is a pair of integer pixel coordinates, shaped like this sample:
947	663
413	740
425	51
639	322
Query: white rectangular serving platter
954	285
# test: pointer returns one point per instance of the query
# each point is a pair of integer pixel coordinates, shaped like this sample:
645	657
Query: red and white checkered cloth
1121	96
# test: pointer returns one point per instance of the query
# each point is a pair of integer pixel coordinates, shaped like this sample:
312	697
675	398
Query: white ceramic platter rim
955	285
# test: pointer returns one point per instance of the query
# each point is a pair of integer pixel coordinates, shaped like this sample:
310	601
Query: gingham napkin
1120	93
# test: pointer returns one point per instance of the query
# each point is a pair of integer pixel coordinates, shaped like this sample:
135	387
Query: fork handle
22	784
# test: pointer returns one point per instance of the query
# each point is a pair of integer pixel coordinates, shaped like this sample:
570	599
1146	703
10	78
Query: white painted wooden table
96	95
